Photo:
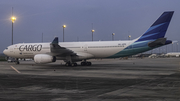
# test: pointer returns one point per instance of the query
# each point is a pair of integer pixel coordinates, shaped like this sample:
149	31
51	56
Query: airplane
173	54
72	52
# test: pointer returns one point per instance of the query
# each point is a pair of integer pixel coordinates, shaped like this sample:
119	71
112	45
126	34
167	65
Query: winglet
55	41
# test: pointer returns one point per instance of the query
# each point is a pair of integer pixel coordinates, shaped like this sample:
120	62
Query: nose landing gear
17	61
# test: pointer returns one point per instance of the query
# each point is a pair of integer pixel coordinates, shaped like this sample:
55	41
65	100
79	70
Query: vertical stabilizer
158	28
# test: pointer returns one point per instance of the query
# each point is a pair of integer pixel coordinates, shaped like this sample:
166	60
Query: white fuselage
96	49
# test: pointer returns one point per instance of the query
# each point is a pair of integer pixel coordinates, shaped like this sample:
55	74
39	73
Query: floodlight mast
64	26
12	19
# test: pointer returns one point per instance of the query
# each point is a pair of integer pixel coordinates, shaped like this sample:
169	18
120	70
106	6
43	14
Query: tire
17	62
88	63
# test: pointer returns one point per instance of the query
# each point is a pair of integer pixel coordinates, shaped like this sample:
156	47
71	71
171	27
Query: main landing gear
86	63
71	64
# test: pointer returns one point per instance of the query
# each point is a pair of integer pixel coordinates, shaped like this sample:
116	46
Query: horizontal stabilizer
168	42
160	41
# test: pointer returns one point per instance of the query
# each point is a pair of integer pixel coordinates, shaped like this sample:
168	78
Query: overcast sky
122	17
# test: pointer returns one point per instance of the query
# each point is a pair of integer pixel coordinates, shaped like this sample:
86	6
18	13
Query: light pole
64	26
42	37
113	36
172	47
129	37
92	33
13	19
177	47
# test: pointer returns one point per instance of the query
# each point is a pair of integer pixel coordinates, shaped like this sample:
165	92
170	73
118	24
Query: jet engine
44	58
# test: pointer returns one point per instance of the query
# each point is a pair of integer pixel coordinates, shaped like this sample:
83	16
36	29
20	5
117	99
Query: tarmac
145	79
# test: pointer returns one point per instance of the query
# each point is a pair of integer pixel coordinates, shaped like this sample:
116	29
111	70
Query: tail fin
158	28
55	41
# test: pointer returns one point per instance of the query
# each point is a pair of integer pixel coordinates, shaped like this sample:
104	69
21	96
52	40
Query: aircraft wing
84	55
57	50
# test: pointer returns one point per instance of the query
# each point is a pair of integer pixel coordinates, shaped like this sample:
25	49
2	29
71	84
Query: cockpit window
6	48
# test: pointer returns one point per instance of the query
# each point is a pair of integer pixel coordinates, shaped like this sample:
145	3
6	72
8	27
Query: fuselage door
85	47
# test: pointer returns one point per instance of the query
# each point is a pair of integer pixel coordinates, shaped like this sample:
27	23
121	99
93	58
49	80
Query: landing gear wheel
68	64
71	64
83	63
74	64
86	63
17	62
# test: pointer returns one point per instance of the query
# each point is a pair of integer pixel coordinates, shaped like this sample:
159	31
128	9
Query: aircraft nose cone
5	52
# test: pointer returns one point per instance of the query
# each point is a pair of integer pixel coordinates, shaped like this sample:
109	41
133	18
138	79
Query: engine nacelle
44	58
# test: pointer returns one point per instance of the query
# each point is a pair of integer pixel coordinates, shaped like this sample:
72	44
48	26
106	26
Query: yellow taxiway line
15	69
